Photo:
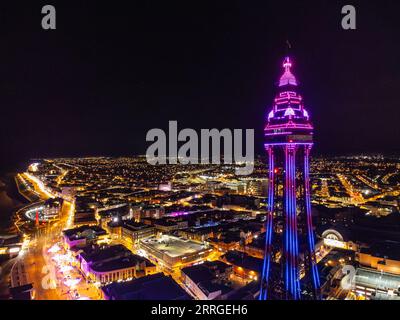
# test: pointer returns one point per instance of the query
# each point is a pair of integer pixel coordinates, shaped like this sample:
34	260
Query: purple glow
289	112
285	143
288	105
179	213
271	114
288	125
287	77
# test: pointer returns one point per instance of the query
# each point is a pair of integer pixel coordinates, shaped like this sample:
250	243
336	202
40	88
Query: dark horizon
107	75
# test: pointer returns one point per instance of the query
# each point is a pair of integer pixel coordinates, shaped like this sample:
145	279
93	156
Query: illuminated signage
300	137
15	250
335	243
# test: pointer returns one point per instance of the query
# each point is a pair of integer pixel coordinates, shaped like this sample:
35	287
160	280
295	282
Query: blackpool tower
290	268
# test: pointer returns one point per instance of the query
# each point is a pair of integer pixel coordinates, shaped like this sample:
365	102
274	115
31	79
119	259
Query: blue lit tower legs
288	141
269	227
312	262
291	254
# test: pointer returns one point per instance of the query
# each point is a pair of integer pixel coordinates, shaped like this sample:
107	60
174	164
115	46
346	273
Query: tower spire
287	64
288	47
287	78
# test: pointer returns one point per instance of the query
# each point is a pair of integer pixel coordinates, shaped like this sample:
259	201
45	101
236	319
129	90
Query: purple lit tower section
290	266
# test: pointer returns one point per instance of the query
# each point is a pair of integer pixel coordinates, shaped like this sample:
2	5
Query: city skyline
88	84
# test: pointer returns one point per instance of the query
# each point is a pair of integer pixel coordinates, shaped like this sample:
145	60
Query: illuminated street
40	265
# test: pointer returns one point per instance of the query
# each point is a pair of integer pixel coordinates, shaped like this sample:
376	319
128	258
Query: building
197	234
381	256
120	212
338	238
24	292
165	186
288	142
68	192
244	266
52	208
44	211
83	235
173	251
108	264
226	243
134	231
21	288
85	216
375	285
207	281
153	287
150	211
85	211
257	187
10	245
167	226
256	247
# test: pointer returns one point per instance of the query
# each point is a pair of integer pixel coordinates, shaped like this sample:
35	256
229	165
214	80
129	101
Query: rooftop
198	273
120	263
384	249
375	279
174	246
83	232
243	260
153	287
206	271
97	254
134	226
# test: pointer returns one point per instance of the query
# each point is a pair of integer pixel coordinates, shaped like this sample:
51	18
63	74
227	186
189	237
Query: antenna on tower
288	47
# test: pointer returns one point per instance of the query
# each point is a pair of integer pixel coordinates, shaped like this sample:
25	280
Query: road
38	265
36	260
38	271
356	197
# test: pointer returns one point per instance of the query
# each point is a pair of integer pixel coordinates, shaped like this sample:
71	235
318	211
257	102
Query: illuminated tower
289	261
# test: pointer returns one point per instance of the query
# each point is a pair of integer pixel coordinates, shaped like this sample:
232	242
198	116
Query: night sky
112	71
